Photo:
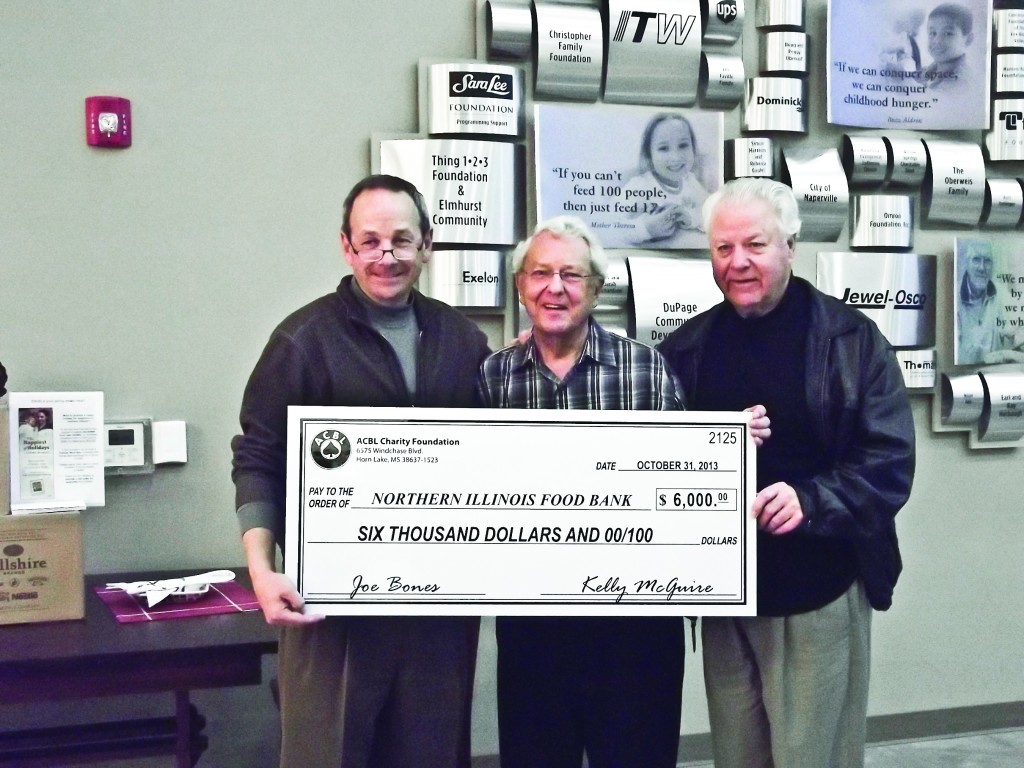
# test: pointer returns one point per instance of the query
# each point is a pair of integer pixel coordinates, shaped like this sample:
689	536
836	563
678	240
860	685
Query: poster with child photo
917	65
637	176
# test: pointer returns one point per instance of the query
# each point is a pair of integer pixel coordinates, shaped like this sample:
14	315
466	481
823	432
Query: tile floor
242	730
995	749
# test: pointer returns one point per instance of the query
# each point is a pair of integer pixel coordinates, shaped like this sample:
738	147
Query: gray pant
377	692
792	691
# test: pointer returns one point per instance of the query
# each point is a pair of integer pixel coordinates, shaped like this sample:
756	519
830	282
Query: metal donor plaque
909	162
455	512
1009	74
753	157
509	30
776	104
956	192
896	290
722	78
784	53
881	221
779	13
667	293
570	52
615	290
1002	418
465	278
918	367
471	187
866	159
963	399
724	23
821	189
1009	28
1006	139
1004	203
474	97
653	52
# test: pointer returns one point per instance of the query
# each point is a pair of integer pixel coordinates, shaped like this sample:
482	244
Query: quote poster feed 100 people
637	176
917	65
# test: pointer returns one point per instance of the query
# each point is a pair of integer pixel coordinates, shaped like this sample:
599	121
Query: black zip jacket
861	413
327	353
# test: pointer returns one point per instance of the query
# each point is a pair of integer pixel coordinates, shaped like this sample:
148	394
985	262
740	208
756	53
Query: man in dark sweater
360	691
789	687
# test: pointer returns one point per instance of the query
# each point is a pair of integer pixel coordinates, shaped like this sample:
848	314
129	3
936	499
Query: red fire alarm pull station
108	121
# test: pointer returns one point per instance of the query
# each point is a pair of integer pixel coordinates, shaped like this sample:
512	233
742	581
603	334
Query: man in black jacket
361	691
789	687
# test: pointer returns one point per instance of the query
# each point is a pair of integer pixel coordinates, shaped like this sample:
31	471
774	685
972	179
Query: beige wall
156	274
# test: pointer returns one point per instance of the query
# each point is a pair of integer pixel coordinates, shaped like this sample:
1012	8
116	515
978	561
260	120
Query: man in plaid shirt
609	686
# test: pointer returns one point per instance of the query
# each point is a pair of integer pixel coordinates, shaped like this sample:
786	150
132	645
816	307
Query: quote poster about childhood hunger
637	176
916	65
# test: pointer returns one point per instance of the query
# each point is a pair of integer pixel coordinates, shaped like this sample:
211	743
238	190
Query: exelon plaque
465	278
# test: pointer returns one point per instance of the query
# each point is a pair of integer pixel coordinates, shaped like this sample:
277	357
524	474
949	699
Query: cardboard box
41	577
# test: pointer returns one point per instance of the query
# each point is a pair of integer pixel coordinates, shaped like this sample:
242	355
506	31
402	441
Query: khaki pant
792	691
377	692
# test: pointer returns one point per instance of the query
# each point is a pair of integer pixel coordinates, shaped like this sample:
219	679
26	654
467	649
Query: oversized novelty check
474	511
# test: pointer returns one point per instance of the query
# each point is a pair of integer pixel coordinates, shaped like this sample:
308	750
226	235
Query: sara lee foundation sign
476	98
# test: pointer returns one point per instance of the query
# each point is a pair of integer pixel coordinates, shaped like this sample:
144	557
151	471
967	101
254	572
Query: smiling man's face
558	307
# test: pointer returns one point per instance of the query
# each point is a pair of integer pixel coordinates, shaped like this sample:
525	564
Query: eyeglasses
402	250
545	276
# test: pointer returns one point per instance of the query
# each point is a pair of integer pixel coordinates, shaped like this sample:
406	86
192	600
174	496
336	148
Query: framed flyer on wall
918	65
637	176
989	302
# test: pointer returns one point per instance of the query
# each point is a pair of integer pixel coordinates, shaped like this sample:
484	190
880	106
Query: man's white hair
744	191
565	226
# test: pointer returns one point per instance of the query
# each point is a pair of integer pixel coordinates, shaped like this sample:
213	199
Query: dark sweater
327	353
763	360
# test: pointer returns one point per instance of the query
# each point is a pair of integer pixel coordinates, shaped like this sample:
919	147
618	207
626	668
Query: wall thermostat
128	446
